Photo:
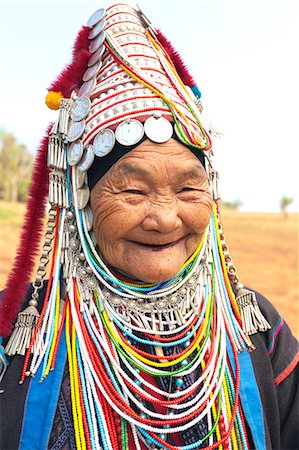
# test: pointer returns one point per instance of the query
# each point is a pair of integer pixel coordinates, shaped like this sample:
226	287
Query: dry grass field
264	248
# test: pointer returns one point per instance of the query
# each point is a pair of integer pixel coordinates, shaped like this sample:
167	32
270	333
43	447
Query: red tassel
71	77
19	279
177	60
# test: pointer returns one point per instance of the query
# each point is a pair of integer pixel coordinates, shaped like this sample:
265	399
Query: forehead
149	157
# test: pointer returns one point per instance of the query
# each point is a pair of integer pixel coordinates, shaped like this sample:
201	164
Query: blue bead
162	436
187	343
136	370
138	382
179	382
170	413
184	363
143	415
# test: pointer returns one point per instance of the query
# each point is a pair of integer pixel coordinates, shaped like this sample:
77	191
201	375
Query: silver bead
72	228
82	256
33	302
69	215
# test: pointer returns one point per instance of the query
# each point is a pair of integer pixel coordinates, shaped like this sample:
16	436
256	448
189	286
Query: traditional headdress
126	83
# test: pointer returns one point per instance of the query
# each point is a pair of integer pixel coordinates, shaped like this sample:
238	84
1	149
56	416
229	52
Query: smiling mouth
157	247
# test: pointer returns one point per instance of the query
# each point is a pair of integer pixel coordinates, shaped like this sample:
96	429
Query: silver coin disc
76	130
80	178
87	159
75	152
104	142
83	196
96	17
87	87
129	132
97	29
96	56
158	129
92	71
97	42
88	217
80	109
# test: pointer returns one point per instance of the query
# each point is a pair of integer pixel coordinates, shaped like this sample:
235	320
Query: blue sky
243	53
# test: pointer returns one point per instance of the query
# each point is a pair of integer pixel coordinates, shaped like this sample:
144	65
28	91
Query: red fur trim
29	243
177	60
71	77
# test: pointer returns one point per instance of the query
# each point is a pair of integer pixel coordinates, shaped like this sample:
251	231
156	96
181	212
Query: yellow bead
53	100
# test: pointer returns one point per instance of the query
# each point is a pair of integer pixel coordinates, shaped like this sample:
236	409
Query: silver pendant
80	109
158	129
88	214
83	197
97	42
97	56
76	130
87	87
96	17
80	178
104	142
97	29
92	71
129	132
75	152
87	159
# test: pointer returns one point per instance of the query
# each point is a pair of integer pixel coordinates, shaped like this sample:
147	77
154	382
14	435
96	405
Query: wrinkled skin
151	210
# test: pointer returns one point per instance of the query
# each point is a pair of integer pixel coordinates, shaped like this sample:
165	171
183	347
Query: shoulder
279	342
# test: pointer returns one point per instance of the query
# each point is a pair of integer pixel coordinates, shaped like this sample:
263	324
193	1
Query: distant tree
235	204
285	202
15	168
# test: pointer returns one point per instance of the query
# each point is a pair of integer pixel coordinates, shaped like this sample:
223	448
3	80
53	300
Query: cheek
112	218
197	215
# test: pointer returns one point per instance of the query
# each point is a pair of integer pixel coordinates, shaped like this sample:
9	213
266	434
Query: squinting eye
187	189
133	191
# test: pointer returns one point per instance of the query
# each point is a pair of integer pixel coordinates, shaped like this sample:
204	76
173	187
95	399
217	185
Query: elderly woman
143	336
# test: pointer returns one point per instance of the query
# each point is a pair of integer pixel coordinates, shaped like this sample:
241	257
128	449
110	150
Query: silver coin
88	217
96	56
80	109
129	132
96	17
87	159
158	129
80	178
76	130
83	196
97	42
92	71
86	88
104	142
74	153
97	29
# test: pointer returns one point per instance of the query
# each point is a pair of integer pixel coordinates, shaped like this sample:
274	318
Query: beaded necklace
122	338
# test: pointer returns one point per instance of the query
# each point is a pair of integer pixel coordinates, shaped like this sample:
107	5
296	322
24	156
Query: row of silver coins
129	132
96	23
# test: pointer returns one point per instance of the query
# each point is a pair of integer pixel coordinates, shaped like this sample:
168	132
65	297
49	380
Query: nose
162	216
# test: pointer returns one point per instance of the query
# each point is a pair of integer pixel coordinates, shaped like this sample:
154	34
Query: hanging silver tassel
26	322
252	317
23	331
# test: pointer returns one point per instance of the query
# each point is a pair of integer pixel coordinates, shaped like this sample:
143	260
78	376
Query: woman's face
151	210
